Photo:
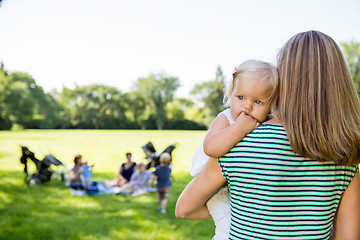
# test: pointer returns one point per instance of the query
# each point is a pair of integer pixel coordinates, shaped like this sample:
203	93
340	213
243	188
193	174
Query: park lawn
49	212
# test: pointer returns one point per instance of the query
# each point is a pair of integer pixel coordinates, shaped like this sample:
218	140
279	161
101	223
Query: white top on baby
199	159
219	204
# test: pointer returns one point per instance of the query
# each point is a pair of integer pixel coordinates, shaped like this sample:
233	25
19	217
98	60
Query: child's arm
73	175
222	136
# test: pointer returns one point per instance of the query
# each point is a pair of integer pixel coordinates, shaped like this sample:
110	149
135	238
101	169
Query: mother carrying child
296	175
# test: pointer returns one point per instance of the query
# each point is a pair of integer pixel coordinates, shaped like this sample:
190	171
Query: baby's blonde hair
140	165
253	70
165	159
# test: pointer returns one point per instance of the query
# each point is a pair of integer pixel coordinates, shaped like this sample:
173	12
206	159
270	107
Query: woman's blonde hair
317	102
253	70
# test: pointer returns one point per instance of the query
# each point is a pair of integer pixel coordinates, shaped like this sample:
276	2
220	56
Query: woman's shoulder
270	127
268	131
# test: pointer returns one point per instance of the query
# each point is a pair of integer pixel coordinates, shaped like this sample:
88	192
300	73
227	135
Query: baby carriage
43	168
153	156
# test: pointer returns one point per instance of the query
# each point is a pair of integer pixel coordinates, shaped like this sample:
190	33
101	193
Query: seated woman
124	174
75	173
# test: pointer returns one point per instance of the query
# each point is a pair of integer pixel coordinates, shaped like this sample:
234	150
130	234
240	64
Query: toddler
86	175
163	175
139	182
249	95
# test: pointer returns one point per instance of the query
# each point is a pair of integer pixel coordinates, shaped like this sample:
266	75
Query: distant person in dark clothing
125	172
163	176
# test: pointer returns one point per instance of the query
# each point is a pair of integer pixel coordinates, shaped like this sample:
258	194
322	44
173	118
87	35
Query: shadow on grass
49	212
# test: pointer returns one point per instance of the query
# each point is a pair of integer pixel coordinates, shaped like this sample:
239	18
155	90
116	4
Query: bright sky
113	42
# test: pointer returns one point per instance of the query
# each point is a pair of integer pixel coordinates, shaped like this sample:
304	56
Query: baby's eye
258	102
241	97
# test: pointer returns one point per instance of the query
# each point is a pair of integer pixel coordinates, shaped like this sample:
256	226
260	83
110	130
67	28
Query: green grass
49	212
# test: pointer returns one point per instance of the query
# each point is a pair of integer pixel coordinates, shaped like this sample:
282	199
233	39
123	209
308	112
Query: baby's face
142	168
251	97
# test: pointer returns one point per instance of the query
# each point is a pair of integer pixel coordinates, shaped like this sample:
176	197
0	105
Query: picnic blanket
95	189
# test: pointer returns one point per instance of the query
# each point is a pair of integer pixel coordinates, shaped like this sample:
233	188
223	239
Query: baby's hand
246	122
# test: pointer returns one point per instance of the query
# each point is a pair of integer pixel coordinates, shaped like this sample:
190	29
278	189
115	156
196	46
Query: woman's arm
119	175
222	136
347	220
191	203
73	175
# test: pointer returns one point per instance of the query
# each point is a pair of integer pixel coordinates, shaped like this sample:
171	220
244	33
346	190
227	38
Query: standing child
249	95
163	174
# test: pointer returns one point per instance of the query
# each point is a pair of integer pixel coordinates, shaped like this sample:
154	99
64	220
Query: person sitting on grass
139	182
75	173
124	174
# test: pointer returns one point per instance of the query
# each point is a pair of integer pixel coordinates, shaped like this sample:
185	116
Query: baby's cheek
262	117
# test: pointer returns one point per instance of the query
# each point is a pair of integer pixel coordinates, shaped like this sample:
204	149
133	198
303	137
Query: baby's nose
247	107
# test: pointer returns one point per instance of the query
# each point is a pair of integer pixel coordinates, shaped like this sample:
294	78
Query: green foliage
211	95
94	106
157	90
175	118
49	212
135	106
5	122
352	55
24	103
151	104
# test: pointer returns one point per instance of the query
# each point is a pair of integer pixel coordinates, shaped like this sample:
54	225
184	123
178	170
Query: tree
211	94
24	103
5	122
351	52
34	108
94	106
157	90
135	106
23	99
177	115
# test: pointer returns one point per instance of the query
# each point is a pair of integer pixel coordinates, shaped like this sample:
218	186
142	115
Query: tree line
151	104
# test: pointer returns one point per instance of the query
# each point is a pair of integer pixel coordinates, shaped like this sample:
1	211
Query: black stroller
43	168
153	156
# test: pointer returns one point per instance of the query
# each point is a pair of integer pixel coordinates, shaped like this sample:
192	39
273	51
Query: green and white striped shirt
276	194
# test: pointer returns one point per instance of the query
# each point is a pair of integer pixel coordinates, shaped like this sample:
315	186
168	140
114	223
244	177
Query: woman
75	172
294	184
126	170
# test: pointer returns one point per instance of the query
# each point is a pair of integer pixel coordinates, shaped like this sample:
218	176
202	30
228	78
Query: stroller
153	156
43	168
